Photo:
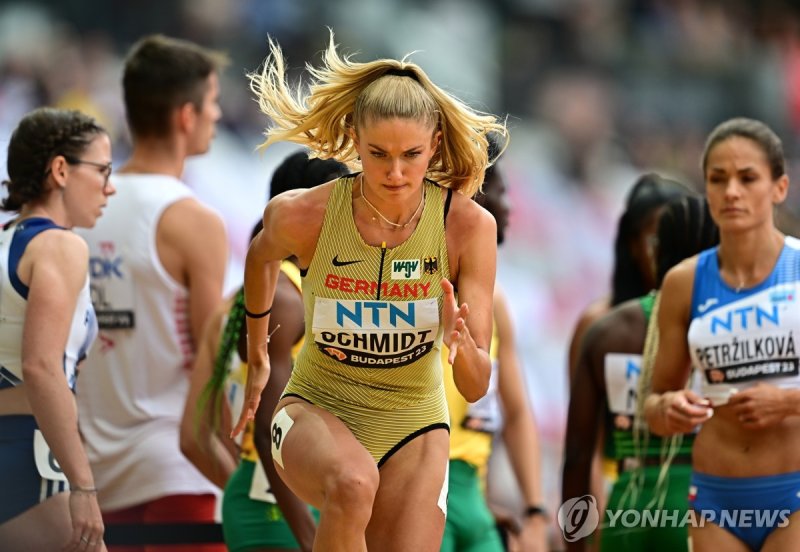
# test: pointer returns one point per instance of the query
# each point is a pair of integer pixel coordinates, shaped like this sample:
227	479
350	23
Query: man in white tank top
157	265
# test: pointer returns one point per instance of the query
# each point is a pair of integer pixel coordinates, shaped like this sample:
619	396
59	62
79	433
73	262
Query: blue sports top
738	338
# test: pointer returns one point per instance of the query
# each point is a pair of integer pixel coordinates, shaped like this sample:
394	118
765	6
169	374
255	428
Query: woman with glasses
58	165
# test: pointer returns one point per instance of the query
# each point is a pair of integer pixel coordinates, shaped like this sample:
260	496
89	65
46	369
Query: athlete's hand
761	406
533	535
684	409
87	523
454	321
257	377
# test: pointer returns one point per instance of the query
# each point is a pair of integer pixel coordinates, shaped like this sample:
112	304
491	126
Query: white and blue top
13	302
738	338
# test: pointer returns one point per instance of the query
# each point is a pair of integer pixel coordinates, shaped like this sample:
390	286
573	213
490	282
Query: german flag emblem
430	265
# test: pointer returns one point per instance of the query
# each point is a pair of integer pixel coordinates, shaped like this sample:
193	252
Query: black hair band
254	315
397	72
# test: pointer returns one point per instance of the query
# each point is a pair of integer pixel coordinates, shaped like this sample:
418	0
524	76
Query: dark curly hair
39	137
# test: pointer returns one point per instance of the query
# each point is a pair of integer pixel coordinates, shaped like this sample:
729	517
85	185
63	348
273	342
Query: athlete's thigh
784	538
408	511
712	538
24	532
314	446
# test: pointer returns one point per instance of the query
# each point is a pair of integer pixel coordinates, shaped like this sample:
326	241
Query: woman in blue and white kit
732	313
58	165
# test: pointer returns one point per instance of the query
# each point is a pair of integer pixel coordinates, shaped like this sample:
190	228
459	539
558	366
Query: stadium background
596	92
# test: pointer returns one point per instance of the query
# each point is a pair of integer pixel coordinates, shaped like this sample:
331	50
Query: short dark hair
755	131
162	74
40	136
299	171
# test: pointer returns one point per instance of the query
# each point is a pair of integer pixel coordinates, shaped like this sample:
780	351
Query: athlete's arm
670	408
587	407
204	446
519	429
472	243
292	224
193	247
55	272
288	312
594	311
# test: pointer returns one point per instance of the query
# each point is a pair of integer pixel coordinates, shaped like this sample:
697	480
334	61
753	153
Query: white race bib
622	382
259	485
46	463
281	424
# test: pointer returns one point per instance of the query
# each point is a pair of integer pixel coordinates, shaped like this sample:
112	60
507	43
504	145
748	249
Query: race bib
46	463
484	415
281	424
259	485
622	382
442	502
375	334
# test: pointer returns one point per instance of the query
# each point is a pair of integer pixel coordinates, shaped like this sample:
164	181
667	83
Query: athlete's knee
352	488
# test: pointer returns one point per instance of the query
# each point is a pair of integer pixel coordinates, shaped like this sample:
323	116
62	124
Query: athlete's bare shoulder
304	206
621	330
684	269
679	281
466	216
294	218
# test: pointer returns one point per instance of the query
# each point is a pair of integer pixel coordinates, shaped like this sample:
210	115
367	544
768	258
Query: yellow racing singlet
472	425
373	326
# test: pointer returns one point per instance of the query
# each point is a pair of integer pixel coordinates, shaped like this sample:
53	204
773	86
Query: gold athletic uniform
371	354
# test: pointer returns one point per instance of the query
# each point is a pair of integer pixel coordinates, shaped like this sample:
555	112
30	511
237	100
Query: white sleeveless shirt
132	389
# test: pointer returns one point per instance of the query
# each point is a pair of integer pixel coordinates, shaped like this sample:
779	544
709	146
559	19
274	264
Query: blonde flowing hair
345	94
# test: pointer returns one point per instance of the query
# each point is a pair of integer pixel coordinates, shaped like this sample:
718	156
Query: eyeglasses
105	168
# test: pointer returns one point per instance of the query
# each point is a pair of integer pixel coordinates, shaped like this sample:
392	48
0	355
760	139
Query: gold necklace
386	220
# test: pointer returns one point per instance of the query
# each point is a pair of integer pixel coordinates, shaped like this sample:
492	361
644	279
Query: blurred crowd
596	91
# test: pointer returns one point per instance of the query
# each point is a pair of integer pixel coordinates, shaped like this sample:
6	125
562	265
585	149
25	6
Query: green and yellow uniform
645	493
470	524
